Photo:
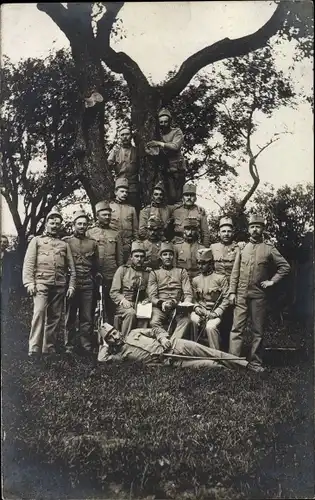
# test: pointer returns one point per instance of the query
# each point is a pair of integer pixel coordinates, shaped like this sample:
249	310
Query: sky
160	36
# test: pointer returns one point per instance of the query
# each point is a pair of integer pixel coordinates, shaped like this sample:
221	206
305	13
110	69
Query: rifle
202	358
100	312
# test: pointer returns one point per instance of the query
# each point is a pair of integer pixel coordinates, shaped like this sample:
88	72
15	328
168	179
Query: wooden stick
182	356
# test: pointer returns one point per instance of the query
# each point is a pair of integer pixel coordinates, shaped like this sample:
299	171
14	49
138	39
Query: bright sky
160	36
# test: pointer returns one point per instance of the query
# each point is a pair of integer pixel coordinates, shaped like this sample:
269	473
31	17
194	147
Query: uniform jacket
126	283
47	260
110	249
186	257
257	262
207	290
181	213
166	284
175	139
86	260
124	219
163	212
224	257
125	164
152	249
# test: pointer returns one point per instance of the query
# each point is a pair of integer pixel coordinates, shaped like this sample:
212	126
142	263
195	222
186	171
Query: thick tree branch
60	15
224	49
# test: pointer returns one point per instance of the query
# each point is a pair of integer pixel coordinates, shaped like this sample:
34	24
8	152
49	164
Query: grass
82	430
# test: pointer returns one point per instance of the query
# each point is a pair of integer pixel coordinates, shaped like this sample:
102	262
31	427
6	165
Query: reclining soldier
153	345
127	282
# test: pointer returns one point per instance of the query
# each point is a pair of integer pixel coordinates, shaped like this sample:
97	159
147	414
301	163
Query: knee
130	314
195	318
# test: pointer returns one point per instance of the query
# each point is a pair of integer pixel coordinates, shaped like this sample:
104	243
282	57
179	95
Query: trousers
163	319
81	302
211	328
255	308
129	319
47	312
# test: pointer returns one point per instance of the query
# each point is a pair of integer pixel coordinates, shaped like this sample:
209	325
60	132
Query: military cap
226	221
191	222
124	126
165	112
205	254
54	213
154	223
106	328
79	213
256	219
121	183
137	246
159	185
166	247
102	205
189	188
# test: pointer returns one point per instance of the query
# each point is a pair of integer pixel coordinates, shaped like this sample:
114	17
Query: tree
90	44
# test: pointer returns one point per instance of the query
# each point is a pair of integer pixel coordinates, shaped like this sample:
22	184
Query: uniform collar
256	242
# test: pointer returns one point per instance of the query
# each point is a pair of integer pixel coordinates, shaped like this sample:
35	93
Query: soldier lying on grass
152	345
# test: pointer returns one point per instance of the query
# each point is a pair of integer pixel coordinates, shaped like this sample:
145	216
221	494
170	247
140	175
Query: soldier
152	345
152	245
188	208
110	249
167	287
172	139
45	267
123	159
158	208
224	254
86	261
124	218
210	291
127	282
250	279
187	251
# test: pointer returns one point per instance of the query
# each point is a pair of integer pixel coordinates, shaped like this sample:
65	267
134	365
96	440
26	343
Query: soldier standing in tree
110	249
128	280
157	208
172	139
86	261
188	208
123	159
45	268
124	218
251	277
187	251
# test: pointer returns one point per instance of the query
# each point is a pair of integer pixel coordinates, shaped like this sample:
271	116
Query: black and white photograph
157	250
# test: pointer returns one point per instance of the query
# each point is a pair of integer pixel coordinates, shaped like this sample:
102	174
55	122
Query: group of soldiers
159	256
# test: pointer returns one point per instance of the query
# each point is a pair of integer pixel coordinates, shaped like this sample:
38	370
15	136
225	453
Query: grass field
80	430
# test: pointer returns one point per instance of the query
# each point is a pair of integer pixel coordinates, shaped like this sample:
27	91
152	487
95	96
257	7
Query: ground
80	430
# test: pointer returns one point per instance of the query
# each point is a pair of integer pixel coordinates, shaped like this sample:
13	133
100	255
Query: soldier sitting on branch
129	287
187	251
86	261
46	264
124	218
167	287
210	291
157	208
110	248
169	147
188	208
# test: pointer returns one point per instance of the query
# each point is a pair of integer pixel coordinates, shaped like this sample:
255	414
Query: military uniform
252	266
46	265
143	345
186	257
86	261
163	212
169	284
110	249
181	213
125	164
124	219
126	283
152	250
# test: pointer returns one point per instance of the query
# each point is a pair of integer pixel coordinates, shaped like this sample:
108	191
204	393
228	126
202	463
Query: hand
70	292
232	299
31	289
241	244
211	315
153	143
166	343
200	311
168	305
145	301
267	283
126	304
